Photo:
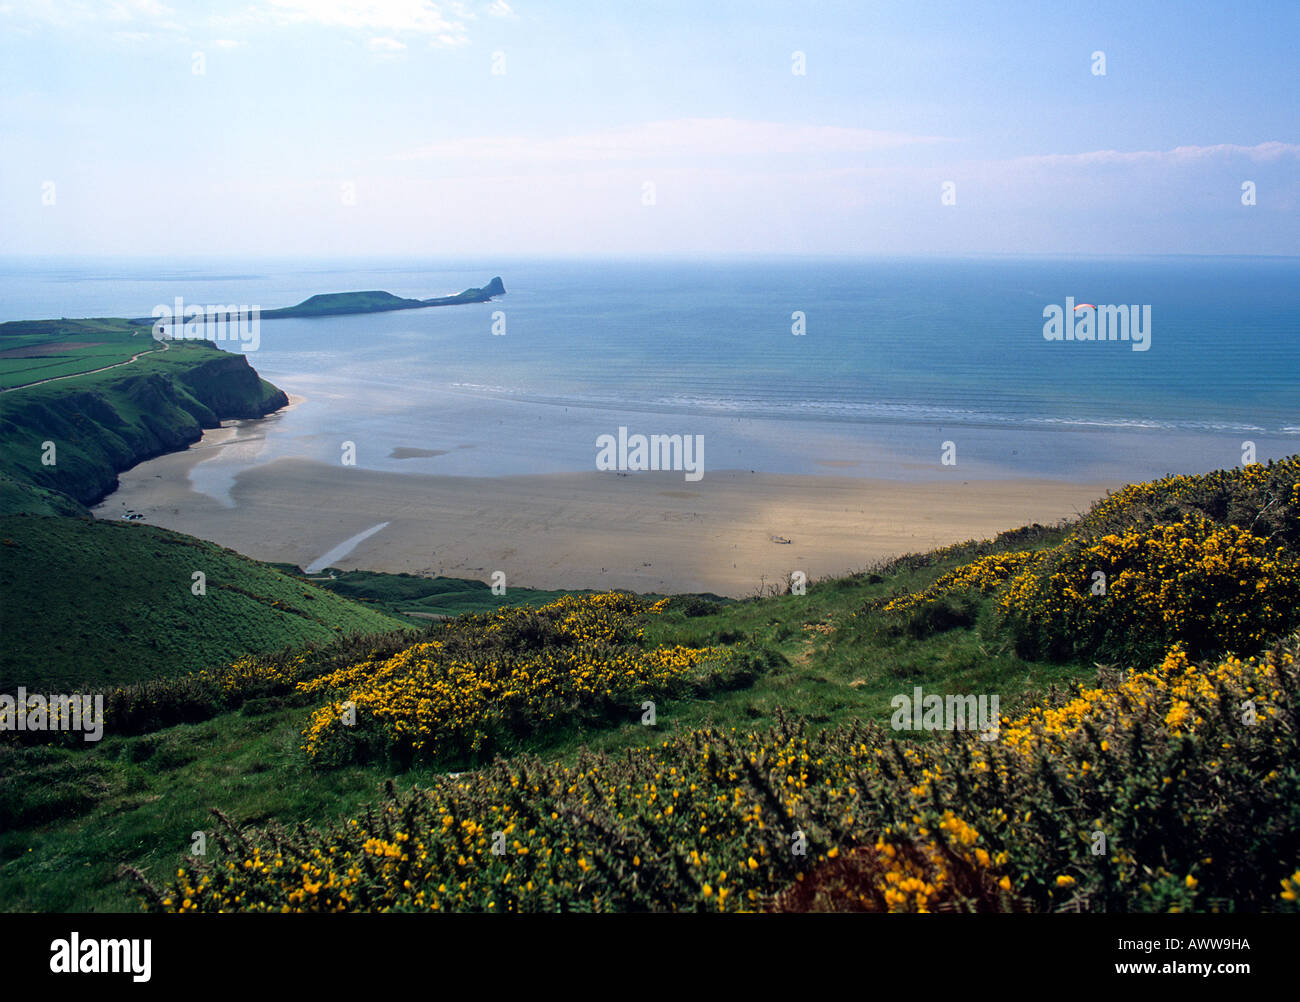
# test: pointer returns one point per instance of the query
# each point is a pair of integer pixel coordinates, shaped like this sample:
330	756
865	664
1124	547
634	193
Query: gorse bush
998	546
693	606
985	574
1177	787
1209	587
1263	499
902	877
145	707
487	680
947	604
1211	562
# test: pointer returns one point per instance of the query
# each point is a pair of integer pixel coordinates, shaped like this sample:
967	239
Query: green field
34	350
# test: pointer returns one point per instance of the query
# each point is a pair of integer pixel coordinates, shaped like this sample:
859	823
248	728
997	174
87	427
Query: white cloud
387	46
415	16
131	10
499	8
688	138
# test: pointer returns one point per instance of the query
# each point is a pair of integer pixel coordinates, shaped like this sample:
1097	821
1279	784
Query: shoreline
644	532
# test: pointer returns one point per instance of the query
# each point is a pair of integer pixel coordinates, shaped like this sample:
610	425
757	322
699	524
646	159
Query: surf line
343	549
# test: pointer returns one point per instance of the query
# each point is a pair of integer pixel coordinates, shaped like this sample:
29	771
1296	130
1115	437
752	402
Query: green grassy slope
421	598
19	498
70	818
101	603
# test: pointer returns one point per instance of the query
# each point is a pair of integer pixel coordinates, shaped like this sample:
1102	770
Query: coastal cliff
75	436
68	436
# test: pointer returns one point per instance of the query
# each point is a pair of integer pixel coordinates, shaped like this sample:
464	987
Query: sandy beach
644	531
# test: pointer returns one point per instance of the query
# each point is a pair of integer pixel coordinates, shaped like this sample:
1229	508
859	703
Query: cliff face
231	388
494	288
101	428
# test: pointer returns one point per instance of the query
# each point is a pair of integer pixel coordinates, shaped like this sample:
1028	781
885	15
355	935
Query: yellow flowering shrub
1261	498
1291	891
1177	787
986	574
253	674
1211	587
1211	560
494	677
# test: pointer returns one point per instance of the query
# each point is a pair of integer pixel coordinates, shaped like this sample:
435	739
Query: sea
898	368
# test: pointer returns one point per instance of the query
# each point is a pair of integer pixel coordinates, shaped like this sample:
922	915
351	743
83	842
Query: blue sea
899	357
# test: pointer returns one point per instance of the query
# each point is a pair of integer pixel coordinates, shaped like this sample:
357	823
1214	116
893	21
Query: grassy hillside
136	799
102	603
773	716
19	498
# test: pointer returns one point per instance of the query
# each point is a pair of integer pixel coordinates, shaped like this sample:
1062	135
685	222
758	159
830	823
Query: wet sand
640	531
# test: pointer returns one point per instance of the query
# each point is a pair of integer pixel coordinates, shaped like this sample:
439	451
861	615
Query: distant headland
334	304
338	304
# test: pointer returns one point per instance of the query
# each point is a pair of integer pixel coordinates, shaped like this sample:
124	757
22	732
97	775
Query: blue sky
379	127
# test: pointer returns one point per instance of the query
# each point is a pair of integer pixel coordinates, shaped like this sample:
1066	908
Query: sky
607	128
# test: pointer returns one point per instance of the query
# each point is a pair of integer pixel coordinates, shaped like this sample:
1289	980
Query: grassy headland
106	395
100	423
334	304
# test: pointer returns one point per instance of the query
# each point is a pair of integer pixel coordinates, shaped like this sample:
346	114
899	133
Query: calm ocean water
899	357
